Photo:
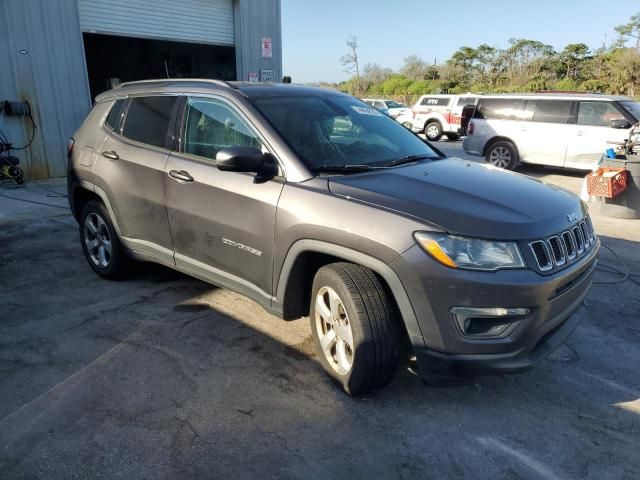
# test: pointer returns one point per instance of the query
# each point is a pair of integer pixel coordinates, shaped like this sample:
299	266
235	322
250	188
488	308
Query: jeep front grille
559	250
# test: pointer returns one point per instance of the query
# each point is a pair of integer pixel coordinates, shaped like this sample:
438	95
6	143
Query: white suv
562	130
437	115
388	107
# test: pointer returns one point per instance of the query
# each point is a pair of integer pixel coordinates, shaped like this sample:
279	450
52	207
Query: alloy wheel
334	330
500	157
97	240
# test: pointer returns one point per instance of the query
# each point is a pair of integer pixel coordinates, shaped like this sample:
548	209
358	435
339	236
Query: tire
502	154
368	327
433	131
453	137
408	125
100	243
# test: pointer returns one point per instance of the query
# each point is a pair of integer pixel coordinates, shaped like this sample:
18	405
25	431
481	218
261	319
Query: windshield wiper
345	168
407	159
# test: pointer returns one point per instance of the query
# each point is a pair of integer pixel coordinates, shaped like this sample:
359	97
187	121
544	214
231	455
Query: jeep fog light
486	322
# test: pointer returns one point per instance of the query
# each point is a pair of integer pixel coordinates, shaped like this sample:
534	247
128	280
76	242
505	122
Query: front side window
113	119
148	119
633	108
464	101
599	114
552	111
338	130
210	125
392	104
499	109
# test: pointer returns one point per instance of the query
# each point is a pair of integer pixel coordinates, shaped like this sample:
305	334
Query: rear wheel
502	154
433	131
355	327
100	242
407	125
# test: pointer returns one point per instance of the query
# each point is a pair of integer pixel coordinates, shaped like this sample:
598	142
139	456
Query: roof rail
220	83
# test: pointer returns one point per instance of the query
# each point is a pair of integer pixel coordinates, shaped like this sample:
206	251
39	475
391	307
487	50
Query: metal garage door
201	21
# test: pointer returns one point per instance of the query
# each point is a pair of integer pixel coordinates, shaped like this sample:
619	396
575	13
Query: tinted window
392	104
599	114
114	115
552	111
148	119
211	125
463	101
633	108
435	102
380	106
499	108
337	130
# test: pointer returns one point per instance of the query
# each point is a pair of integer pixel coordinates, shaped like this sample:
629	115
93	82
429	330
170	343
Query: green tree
573	58
631	29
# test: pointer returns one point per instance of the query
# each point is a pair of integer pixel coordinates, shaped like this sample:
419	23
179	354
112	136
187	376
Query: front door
222	223
593	134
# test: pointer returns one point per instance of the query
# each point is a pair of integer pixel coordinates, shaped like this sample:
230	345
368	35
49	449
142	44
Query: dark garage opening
113	59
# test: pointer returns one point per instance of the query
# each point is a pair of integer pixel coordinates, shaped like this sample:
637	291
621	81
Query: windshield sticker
366	111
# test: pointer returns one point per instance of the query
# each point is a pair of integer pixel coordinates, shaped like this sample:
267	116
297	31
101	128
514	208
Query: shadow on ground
163	376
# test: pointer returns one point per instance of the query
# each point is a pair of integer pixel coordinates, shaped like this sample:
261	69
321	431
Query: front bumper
555	303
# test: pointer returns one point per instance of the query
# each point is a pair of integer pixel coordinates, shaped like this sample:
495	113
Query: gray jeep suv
314	204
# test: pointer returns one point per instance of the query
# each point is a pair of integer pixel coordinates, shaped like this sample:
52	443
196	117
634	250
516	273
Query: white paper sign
267	47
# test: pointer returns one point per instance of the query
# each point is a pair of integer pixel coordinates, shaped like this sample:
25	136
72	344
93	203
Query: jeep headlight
470	253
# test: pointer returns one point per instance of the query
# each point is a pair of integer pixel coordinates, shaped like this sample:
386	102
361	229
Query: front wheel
502	154
408	125
355	327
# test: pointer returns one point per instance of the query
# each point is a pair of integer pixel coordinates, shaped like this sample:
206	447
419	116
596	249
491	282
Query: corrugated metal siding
200	21
51	75
255	19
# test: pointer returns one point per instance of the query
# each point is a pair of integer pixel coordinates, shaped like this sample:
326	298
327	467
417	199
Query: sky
314	32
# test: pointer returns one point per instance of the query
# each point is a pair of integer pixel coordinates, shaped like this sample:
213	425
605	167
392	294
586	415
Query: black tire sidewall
360	378
116	267
513	163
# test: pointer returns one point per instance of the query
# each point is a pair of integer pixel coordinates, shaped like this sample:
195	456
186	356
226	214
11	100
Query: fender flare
350	255
105	199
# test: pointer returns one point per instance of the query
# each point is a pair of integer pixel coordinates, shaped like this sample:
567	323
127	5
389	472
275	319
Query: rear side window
499	109
113	119
599	114
552	111
148	119
435	102
464	101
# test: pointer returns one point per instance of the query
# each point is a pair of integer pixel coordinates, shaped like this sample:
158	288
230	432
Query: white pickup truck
437	115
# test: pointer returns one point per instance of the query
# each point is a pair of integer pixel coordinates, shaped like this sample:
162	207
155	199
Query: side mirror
240	159
621	124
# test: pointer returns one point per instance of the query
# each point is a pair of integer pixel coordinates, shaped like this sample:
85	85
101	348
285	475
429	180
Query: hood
466	198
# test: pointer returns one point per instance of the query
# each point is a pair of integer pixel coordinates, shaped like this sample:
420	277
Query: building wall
42	58
43	62
255	19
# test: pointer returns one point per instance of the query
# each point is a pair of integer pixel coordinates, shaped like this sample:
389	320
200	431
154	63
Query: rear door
131	172
593	133
545	127
222	223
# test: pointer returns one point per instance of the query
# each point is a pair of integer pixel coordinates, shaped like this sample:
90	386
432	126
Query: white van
562	130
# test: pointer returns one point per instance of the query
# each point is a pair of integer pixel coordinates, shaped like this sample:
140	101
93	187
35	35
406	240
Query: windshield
338	130
633	108
392	104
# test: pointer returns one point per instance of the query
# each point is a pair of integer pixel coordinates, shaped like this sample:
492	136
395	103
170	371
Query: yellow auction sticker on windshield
366	111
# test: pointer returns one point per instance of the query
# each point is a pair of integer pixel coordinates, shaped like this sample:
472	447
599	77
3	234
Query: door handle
112	155
181	175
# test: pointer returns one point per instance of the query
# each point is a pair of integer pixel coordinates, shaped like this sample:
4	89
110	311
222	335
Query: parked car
561	130
437	115
388	107
312	203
